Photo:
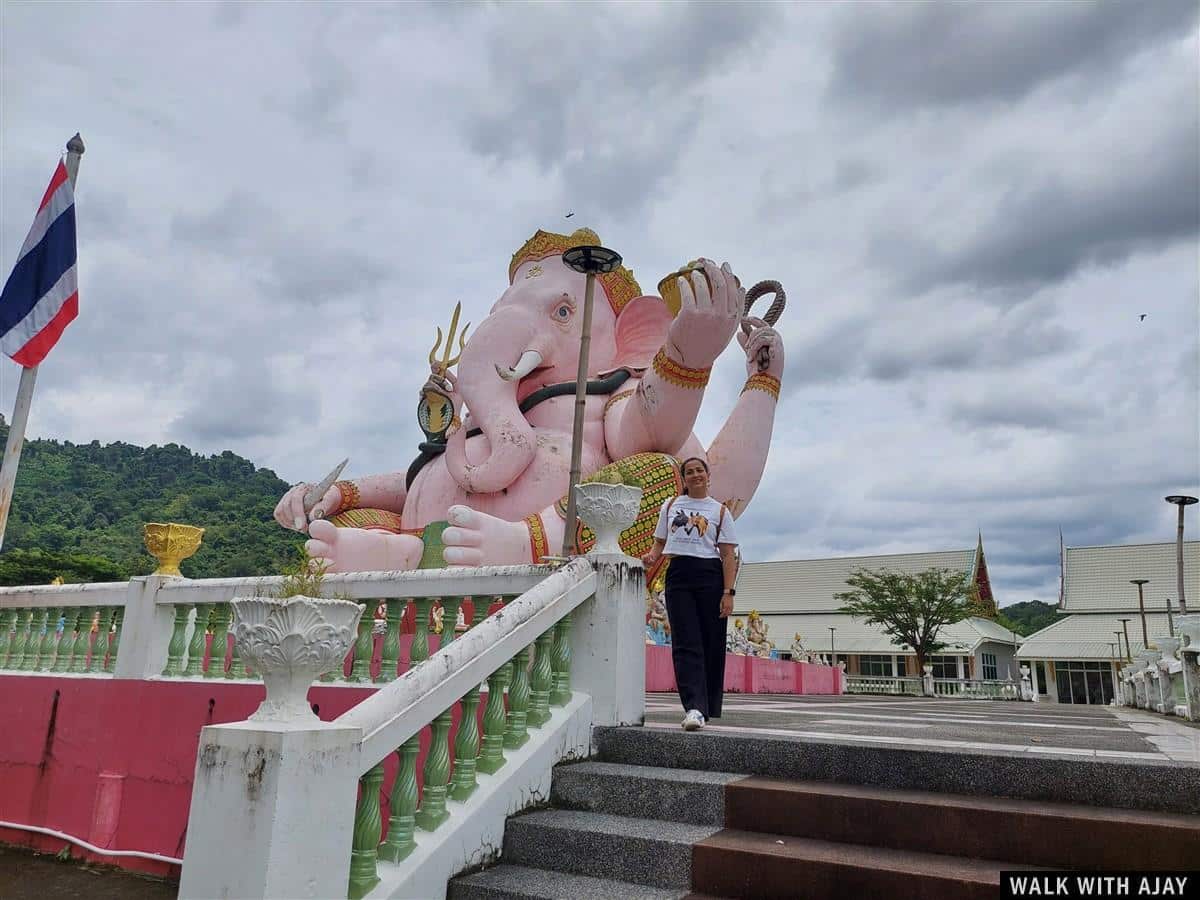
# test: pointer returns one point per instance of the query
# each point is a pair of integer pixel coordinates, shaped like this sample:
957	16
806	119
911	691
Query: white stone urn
607	509
1168	646
1188	628
290	643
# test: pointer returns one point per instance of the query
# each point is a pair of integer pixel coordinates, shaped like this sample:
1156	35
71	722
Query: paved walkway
1002	726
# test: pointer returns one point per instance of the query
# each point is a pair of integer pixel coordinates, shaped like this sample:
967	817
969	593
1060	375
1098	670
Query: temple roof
1098	578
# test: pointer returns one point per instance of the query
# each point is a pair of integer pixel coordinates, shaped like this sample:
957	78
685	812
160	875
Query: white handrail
394	713
41	596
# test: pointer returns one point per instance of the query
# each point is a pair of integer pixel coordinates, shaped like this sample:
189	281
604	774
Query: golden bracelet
763	382
539	543
351	499
678	373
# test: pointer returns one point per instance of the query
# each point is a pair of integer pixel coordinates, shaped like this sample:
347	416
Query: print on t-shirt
692	526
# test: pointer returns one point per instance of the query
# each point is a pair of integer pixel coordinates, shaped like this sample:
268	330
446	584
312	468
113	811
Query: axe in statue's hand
315	493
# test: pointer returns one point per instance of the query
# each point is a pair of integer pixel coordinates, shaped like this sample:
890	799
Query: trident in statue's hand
440	368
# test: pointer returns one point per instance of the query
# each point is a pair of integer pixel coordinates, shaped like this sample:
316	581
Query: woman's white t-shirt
689	526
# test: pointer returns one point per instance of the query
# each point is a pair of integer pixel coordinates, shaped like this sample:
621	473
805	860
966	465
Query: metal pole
1170	619
1128	650
832	654
1142	608
1180	500
585	343
16	430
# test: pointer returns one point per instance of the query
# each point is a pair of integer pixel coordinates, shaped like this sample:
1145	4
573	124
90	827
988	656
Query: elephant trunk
492	400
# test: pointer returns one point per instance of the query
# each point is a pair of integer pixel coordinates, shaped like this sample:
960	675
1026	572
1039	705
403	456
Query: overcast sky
970	206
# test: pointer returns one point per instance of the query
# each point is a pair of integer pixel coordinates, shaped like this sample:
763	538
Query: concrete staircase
650	818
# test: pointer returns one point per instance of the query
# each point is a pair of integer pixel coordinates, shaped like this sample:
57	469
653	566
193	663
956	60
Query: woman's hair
685	465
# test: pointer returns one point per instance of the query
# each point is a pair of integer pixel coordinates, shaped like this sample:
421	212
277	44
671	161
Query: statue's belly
545	480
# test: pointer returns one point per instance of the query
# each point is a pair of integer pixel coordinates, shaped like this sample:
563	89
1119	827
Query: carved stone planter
291	643
607	509
1188	628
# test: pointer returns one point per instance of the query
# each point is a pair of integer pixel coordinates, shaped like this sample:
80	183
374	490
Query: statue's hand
289	512
763	346
707	318
446	383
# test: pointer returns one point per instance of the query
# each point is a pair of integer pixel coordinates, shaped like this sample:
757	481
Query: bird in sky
1141	317
568	215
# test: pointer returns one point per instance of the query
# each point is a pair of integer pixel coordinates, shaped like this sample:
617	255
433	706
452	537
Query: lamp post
1170	619
591	261
832	655
1180	500
1140	582
1125	627
1118	634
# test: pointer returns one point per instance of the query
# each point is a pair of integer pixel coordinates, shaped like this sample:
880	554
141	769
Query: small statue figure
737	642
757	635
658	628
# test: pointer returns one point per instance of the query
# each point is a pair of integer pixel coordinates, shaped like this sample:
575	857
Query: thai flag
41	295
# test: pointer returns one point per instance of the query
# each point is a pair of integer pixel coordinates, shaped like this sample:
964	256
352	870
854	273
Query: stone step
1091	781
652	792
641	851
509	882
1025	832
750	864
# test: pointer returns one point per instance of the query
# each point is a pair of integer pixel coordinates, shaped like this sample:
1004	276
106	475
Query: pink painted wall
748	675
112	761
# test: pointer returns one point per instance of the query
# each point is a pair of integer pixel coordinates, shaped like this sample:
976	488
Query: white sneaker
693	721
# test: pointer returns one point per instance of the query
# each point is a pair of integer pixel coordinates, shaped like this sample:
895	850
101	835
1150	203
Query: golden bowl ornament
171	543
668	288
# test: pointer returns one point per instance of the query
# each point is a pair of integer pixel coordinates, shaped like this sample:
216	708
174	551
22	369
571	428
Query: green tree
912	609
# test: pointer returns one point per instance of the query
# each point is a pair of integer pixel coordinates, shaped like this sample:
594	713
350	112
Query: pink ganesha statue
489	489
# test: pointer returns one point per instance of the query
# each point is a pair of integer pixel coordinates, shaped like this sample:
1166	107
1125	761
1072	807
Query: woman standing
695	532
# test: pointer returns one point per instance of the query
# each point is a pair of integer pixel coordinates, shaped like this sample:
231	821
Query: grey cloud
945	53
248	402
1045	410
1047	229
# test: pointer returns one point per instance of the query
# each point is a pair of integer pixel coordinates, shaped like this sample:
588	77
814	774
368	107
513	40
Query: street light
832	655
1180	500
1142	606
1170	619
591	261
1125	627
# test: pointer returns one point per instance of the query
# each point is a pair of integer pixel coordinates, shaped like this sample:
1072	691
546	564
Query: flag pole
16	428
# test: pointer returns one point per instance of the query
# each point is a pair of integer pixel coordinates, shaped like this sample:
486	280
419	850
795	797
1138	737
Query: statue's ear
641	330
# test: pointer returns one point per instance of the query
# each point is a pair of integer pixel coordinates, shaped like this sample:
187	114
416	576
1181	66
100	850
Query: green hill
1029	616
78	512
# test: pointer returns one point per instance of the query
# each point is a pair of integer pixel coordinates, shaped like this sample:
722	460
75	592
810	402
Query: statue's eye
563	311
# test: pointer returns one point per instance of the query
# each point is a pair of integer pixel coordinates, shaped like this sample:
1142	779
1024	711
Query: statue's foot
477	539
356	550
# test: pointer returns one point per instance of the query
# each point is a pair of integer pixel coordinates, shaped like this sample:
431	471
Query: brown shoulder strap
720	521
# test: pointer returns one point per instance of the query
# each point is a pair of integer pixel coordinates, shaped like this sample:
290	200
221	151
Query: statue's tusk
529	361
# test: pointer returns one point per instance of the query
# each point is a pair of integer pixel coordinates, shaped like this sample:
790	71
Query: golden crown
619	285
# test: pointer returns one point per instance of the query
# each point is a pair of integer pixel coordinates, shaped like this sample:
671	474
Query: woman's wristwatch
731	592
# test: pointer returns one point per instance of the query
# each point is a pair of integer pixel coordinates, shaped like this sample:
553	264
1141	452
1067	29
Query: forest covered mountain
1029	616
78	512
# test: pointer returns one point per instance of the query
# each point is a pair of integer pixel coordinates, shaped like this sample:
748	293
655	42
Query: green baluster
40	658
22	656
540	681
49	639
83	636
100	648
560	658
508	670
62	662
437	774
361	670
449	619
403	819
175	649
114	644
466	747
389	659
419	652
368	823
237	668
518	701
8	622
491	757
219	621
195	657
